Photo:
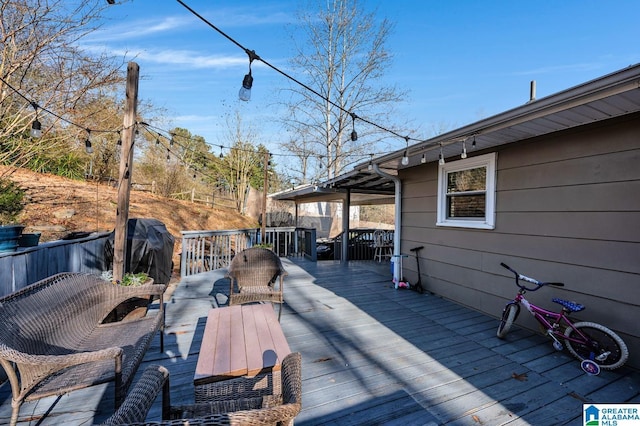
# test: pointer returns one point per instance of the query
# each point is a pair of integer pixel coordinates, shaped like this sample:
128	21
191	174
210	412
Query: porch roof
610	96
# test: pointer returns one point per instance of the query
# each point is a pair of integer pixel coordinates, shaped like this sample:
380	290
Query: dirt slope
57	206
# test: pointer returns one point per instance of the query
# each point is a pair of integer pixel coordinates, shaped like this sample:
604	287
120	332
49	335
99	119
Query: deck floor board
372	354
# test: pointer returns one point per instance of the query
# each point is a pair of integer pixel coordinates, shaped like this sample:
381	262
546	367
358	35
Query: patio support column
346	206
398	219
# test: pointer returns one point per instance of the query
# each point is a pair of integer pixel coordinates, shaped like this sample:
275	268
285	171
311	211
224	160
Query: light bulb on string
87	146
441	157
370	166
247	82
354	134
221	154
464	150
424	158
36	127
405	157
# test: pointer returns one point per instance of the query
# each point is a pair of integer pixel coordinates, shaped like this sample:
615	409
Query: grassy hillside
57	206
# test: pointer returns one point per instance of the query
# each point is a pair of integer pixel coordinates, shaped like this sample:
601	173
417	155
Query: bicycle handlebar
528	279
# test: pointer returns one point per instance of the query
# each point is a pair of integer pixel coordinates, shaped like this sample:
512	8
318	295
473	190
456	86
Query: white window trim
487	160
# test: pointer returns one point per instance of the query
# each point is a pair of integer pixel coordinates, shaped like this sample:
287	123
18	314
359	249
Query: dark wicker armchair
53	341
239	408
254	272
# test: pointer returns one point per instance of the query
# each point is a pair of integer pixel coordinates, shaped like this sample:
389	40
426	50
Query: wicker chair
239	408
254	272
52	340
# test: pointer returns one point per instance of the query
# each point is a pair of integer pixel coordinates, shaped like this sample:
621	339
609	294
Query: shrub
11	200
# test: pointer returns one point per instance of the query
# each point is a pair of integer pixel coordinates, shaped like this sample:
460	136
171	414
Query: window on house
466	193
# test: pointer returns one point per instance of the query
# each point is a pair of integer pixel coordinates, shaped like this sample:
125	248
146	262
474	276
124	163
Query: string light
354	134
87	143
441	157
405	158
253	55
247	82
473	144
464	149
424	158
36	127
221	154
370	166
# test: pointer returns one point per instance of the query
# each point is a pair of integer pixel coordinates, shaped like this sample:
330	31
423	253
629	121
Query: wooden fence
208	199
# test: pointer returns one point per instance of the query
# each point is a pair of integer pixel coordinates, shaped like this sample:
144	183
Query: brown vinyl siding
567	209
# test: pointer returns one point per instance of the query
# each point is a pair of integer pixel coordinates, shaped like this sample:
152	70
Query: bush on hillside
11	200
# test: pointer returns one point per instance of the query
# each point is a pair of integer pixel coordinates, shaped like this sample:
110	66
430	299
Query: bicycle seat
572	306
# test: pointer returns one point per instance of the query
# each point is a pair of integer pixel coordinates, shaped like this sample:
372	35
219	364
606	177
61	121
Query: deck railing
30	264
361	244
209	250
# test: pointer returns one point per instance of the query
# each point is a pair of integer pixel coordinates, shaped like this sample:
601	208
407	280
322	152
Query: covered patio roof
613	95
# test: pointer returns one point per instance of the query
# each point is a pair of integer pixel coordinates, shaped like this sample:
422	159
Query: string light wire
253	55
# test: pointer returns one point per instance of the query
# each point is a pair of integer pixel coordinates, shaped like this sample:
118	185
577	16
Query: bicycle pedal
572	306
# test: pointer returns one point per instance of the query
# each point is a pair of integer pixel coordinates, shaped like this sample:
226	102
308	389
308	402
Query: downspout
398	219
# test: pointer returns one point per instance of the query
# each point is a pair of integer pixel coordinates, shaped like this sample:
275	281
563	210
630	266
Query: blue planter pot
29	240
9	236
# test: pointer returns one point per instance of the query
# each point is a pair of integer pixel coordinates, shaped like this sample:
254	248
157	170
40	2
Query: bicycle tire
508	317
603	340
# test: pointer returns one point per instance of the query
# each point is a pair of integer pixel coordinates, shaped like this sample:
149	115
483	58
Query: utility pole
263	225
126	170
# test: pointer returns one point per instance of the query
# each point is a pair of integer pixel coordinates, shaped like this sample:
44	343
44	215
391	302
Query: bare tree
243	163
341	56
43	68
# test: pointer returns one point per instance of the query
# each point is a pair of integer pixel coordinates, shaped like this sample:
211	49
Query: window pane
467	180
462	206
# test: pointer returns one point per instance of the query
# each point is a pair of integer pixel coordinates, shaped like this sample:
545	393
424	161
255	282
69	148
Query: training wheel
590	367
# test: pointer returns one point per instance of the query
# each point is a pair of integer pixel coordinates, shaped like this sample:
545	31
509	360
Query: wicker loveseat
254	272
52	339
245	408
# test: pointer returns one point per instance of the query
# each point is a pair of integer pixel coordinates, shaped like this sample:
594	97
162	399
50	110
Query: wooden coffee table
240	340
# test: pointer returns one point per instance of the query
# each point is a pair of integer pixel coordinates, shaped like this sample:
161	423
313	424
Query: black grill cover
149	249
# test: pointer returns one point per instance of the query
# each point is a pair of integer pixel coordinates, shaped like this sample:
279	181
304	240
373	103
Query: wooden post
126	171
263	225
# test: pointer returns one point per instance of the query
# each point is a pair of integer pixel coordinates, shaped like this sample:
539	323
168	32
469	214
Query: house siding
567	209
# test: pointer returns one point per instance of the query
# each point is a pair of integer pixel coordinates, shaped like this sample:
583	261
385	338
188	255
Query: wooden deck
374	355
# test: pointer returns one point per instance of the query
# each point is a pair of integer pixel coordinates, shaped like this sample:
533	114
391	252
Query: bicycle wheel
608	349
508	317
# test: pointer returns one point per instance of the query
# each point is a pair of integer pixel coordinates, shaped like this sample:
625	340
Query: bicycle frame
551	321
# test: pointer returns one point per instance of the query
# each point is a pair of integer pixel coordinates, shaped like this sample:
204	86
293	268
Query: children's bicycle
596	346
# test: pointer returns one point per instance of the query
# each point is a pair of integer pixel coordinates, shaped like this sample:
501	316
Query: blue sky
460	60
